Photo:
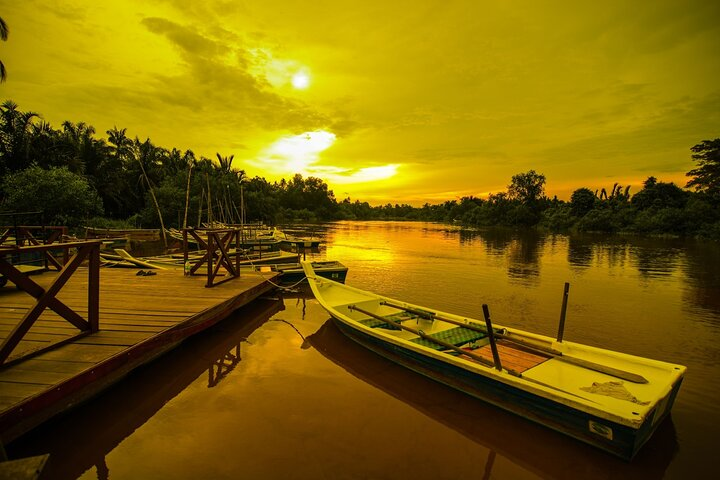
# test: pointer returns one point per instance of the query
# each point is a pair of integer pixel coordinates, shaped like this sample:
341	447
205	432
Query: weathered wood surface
23	469
512	357
140	318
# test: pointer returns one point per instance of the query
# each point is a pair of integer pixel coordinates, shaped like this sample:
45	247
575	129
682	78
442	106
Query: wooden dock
140	317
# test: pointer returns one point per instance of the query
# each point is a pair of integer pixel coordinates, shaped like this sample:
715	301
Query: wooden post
563	311
186	270
94	288
237	251
210	259
491	337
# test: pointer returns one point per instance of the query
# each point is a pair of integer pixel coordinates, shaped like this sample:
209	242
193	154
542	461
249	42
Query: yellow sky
400	102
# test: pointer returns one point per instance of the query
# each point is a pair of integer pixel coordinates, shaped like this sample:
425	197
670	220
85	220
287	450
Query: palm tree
3	35
120	144
80	148
225	163
15	133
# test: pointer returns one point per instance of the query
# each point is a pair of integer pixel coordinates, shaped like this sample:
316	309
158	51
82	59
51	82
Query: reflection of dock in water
125	407
533	447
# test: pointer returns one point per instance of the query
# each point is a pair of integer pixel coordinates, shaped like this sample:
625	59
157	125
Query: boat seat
456	336
394	318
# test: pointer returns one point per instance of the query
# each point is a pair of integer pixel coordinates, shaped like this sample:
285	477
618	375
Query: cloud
218	79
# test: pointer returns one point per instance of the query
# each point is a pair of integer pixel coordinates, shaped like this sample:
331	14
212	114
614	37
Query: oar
424	335
469	354
537	349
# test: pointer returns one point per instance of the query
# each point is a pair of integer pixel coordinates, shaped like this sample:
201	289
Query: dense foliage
78	179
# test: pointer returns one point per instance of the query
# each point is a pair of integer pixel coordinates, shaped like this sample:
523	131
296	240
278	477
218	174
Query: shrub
64	197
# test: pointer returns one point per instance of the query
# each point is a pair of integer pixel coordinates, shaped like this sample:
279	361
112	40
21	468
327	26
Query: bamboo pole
209	201
202	195
187	197
157	207
491	337
563	311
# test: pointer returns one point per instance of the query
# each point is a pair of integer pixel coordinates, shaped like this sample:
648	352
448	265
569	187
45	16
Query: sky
389	102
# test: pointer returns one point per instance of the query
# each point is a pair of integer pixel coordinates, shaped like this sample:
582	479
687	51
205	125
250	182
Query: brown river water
276	391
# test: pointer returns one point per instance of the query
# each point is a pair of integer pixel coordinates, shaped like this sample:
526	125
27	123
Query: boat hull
617	439
294	273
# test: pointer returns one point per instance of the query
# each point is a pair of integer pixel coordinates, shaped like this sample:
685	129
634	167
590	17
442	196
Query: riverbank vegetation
77	179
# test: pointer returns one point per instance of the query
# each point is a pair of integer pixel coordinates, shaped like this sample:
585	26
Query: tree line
77	179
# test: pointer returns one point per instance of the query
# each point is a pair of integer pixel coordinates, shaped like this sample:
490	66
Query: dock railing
218	245
24	235
82	251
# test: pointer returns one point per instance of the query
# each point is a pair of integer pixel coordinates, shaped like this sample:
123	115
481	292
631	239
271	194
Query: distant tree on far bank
706	176
528	188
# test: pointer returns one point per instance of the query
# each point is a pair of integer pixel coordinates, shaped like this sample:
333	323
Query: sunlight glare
297	153
301	80
369	174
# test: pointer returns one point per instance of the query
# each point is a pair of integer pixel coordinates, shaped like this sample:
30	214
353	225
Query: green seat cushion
455	336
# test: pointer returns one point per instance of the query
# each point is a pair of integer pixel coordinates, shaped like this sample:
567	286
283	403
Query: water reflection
524	254
580	252
82	439
702	271
222	367
522	250
534	448
655	262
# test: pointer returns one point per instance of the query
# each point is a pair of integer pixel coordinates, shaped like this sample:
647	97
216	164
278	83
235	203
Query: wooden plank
85	353
512	358
15	375
11	392
114	338
41	365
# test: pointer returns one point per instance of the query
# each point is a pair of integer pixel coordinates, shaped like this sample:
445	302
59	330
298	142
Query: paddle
612	371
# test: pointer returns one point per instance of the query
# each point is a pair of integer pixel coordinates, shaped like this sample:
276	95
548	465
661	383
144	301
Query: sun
301	80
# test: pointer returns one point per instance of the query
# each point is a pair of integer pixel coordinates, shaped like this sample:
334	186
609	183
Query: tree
659	195
706	177
528	188
582	201
15	136
64	197
3	36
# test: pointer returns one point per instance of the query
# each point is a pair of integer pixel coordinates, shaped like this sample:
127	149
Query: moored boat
293	242
292	273
610	400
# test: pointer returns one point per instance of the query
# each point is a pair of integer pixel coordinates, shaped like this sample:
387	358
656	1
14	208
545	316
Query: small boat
293	273
141	234
611	400
293	242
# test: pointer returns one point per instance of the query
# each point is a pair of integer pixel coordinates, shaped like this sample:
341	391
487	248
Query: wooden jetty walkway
139	317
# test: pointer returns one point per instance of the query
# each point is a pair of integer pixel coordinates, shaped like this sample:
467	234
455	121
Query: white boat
611	400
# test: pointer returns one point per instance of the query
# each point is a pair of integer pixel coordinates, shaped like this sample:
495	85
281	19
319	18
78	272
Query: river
276	391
